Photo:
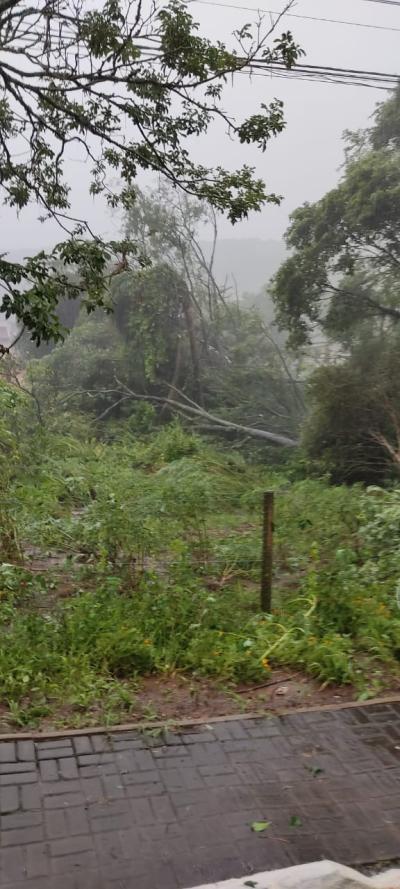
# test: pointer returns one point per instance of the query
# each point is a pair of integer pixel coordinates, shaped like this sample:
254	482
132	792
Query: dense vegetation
134	455
142	555
342	280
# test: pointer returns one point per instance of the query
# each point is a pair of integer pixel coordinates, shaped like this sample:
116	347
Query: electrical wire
316	73
311	18
309	79
319	74
351	76
384	2
299	68
356	72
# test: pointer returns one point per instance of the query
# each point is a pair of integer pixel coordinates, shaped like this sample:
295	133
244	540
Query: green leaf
259	826
315	770
295	821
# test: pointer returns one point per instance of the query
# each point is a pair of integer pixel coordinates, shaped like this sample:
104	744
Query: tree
176	339
344	277
166	225
151	313
80	371
222	356
129	85
345	262
354	424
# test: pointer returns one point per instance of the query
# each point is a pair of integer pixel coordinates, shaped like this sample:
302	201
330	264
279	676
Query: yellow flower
265	663
147	642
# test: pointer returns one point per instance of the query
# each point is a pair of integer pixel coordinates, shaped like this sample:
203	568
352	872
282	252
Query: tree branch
198	411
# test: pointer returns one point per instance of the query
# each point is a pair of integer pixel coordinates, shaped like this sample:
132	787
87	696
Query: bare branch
5	350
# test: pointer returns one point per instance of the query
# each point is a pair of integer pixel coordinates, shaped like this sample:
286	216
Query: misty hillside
250	261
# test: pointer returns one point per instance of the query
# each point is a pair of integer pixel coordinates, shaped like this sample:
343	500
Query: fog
303	162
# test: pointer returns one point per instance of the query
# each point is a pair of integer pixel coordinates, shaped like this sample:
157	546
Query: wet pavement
135	811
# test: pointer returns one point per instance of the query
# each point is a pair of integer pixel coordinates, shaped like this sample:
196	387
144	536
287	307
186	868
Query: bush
351	404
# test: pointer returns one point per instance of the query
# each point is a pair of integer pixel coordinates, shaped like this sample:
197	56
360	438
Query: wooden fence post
267	542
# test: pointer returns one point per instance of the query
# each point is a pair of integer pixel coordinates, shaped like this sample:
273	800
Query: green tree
176	339
250	380
344	266
151	309
343	277
354	424
191	333
69	74
80	372
166	225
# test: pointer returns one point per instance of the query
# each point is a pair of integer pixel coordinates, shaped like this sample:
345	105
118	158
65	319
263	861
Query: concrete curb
189	723
316	875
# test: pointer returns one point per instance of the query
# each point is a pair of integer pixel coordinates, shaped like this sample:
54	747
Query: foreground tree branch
126	83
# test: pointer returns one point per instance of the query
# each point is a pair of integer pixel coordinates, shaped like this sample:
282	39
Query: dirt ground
172	699
183	697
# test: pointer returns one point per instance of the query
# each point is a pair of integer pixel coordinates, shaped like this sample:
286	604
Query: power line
321	79
267	65
317	73
384	2
310	18
349	76
301	71
327	69
331	68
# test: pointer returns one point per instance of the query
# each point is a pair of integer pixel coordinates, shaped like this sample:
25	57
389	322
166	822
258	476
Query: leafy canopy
354	409
345	264
129	83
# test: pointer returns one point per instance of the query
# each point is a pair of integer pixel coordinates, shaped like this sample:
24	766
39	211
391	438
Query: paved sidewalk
126	811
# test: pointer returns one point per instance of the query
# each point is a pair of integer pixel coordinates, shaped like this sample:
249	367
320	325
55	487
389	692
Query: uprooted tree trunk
194	411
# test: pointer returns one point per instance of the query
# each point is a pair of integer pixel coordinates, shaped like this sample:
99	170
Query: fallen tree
191	409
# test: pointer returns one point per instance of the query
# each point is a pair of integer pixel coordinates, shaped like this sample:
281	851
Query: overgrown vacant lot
141	557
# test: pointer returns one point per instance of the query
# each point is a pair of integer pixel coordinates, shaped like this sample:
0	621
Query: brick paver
137	812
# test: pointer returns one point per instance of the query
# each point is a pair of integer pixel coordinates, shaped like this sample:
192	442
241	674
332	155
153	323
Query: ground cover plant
140	555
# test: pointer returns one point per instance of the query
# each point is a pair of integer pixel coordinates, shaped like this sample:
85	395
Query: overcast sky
303	162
